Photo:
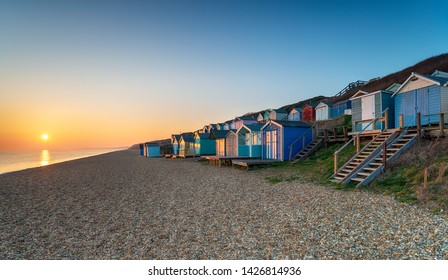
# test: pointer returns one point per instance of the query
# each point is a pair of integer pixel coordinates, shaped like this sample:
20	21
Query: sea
20	160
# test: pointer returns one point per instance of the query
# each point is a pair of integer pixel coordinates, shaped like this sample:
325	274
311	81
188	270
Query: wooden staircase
369	152
309	149
371	169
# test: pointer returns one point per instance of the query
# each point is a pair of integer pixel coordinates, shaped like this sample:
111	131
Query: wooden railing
358	147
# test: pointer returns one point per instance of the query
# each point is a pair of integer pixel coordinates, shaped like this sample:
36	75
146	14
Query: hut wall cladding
356	114
426	101
384	100
221	147
444	102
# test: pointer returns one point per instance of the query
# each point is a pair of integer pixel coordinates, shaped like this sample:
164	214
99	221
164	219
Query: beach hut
186	145
152	149
282	140
367	106
340	108
424	94
231	143
175	142
260	117
220	141
203	145
323	111
267	115
249	140
240	121
141	148
308	113
295	115
278	114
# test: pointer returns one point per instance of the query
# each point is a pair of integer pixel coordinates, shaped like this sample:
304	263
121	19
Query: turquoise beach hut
282	140
152	149
175	142
427	95
249	140
203	145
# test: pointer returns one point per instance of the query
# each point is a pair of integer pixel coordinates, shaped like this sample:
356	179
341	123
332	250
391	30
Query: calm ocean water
19	160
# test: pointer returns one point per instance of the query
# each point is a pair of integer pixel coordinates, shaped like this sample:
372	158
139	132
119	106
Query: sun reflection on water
44	157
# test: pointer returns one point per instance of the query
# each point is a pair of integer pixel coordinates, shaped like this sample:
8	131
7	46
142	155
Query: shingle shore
122	206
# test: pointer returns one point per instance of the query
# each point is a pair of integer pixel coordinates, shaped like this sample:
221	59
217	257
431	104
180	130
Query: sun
44	137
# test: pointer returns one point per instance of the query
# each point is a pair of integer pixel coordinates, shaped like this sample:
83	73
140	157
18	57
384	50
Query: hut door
271	144
409	108
368	110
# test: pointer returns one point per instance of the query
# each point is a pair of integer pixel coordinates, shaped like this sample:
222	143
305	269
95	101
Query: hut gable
323	111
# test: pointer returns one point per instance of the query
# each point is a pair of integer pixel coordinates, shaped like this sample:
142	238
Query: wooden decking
223	160
247	164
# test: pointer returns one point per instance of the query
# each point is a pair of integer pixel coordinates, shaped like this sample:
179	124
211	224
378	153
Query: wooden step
339	178
369	168
375	164
357	179
364	174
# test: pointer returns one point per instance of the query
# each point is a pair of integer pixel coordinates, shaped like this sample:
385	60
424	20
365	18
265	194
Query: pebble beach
123	206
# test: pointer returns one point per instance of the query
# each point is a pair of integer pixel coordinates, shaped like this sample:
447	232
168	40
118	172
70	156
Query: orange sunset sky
106	74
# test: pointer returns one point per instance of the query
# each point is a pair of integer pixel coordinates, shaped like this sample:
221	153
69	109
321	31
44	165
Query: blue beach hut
295	115
141	149
341	108
203	145
427	95
249	140
282	140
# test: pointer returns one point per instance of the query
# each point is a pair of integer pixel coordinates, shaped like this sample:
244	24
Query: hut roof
218	134
203	135
187	136
254	126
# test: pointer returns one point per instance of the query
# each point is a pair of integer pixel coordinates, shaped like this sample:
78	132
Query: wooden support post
419	126
346	133
373	125
384	155
335	133
386	120
325	134
441	123
401	121
358	143
335	163
425	178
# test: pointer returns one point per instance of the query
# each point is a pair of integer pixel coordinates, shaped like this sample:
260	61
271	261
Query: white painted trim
356	94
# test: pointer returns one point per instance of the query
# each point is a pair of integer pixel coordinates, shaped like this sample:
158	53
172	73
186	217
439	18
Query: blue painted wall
175	148
291	134
204	147
153	151
338	110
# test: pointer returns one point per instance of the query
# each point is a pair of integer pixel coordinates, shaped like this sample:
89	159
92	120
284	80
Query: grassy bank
403	179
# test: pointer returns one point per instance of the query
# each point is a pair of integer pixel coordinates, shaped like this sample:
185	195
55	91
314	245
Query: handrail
353	138
297	140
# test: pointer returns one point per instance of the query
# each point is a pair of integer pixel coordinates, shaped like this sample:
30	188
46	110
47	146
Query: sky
94	74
